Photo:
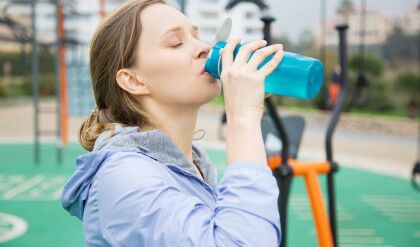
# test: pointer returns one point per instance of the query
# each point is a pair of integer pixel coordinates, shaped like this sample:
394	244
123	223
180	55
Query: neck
178	124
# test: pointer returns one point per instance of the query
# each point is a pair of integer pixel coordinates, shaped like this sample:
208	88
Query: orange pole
62	74
322	224
310	171
300	168
102	11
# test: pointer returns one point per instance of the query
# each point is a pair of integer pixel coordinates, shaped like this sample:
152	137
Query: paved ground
372	210
382	145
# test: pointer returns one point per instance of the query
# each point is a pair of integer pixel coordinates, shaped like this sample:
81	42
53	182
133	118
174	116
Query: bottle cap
214	63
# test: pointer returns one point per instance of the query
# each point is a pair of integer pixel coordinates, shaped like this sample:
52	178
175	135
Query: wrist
244	118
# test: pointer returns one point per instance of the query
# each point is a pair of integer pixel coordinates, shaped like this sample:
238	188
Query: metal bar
324	93
283	173
35	83
58	86
331	206
48	132
362	36
182	4
47	110
342	28
102	10
322	226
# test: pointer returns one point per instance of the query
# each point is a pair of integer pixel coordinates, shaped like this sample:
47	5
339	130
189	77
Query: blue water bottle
296	75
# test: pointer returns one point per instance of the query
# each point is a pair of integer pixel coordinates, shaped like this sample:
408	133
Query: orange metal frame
102	11
63	75
63	70
310	171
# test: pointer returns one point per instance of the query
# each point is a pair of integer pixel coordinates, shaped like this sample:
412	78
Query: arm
243	88
138	206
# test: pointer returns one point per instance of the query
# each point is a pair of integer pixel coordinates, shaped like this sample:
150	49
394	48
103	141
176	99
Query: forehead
159	18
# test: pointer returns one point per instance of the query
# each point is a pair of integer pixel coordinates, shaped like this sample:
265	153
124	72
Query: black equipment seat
294	126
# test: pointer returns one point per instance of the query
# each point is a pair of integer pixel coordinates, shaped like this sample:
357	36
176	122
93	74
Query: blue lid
213	65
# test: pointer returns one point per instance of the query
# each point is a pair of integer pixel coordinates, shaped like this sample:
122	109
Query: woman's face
171	57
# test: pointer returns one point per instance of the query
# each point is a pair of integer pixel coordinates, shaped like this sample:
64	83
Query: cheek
172	80
168	76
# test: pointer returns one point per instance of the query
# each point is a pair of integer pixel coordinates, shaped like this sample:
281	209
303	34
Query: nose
203	51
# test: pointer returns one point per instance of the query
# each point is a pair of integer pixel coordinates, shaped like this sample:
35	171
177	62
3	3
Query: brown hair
113	47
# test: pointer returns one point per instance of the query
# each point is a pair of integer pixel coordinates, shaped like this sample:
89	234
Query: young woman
144	183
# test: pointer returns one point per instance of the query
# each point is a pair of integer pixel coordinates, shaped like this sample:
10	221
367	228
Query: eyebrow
179	28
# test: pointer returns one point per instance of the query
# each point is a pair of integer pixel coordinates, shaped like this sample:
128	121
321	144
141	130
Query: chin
211	97
206	98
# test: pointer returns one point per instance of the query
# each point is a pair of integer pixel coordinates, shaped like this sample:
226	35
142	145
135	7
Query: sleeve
140	206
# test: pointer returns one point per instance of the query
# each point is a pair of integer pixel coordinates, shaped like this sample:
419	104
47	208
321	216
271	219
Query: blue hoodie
136	188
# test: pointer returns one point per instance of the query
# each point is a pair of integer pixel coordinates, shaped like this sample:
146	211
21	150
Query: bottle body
296	75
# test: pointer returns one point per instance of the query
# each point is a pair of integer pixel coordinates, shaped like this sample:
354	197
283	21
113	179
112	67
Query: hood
153	143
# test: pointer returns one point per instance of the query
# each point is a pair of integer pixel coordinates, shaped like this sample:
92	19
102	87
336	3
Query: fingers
260	55
269	67
246	50
227	52
267	95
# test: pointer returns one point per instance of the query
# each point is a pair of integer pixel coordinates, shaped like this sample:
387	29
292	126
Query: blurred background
46	92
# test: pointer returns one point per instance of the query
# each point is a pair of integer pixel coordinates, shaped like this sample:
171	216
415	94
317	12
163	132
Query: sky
294	16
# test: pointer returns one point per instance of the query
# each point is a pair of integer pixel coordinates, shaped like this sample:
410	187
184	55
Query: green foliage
306	41
408	82
46	87
372	64
21	62
346	6
285	41
381	96
3	91
345	9
46	84
401	46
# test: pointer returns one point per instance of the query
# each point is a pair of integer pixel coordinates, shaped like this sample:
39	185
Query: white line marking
361	240
57	194
364	245
15	227
356	232
400	210
22	187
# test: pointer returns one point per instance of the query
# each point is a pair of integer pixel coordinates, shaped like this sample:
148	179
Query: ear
131	83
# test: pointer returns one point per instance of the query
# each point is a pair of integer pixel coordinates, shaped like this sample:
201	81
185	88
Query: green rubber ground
373	210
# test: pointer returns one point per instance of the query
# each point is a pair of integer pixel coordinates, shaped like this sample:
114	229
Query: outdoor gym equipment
415	176
285	166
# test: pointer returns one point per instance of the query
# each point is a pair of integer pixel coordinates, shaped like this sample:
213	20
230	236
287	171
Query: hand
243	82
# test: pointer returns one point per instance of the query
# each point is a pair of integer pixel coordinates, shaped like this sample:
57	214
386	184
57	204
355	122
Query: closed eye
175	46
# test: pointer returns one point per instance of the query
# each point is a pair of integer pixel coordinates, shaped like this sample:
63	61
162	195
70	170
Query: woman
145	183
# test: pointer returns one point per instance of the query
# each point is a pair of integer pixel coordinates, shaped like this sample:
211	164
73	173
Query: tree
345	9
372	64
400	46
284	40
306	41
409	83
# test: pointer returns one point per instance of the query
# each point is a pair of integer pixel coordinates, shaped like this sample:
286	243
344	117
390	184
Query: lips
203	70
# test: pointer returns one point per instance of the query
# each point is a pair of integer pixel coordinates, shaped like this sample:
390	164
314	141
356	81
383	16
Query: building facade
377	27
